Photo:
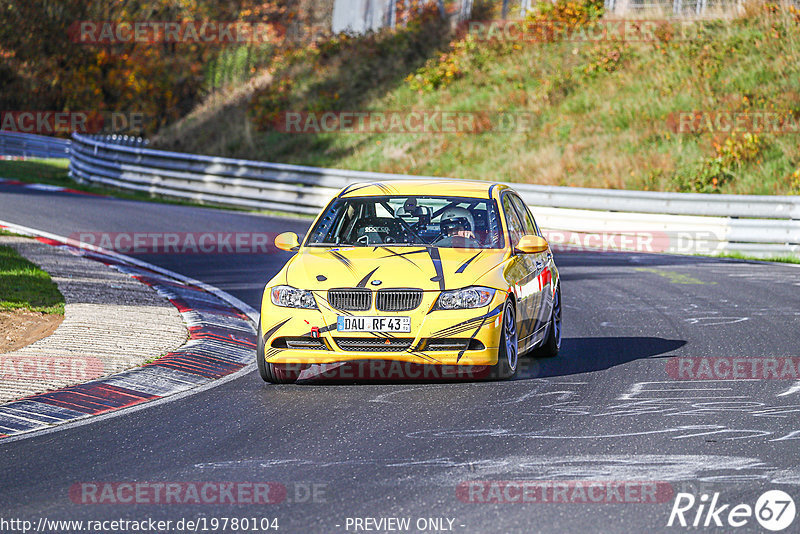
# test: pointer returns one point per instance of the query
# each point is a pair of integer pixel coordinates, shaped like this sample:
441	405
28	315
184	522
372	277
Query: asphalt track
604	409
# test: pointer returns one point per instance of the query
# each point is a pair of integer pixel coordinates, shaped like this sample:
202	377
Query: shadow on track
587	354
578	355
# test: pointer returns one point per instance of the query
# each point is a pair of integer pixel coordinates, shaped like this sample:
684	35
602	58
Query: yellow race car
427	273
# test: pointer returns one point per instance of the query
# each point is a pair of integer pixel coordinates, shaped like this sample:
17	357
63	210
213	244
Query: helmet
454	217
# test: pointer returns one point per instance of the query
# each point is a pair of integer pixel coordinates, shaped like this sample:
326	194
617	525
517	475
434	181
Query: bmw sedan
435	273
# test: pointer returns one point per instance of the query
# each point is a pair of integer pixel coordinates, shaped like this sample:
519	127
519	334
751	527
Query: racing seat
377	231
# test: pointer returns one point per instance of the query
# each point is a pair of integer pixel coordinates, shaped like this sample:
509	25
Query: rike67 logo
774	510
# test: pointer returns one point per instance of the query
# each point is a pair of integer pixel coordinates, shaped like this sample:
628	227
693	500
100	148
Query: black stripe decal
353	189
402	256
385	189
363	282
437	265
274	329
466	263
347	263
321	300
459	329
475	333
424	356
466	325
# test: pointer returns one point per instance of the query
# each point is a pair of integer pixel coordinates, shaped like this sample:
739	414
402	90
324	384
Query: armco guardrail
687	223
32	146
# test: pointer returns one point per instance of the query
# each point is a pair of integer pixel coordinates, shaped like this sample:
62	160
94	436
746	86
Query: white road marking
714	321
638	388
664	467
793	389
382	398
794	434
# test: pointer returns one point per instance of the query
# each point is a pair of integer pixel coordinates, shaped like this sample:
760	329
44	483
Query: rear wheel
552	343
508	352
271	372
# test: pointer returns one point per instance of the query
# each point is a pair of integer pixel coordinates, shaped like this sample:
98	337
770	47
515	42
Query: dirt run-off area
20	328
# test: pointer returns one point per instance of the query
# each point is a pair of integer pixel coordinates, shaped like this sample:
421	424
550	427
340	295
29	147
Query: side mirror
287	241
532	244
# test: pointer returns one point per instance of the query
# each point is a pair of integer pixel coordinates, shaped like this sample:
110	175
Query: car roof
421	187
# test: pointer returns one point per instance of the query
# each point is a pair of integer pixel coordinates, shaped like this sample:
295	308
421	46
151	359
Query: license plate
373	324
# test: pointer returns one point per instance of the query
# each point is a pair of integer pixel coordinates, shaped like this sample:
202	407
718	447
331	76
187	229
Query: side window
525	215
515	227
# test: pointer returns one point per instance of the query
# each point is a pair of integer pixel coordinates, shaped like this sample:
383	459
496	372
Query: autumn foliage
42	68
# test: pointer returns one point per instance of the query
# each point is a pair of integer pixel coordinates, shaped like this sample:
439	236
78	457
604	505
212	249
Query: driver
457	222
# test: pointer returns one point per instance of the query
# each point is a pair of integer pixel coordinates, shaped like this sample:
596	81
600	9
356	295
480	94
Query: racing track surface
604	409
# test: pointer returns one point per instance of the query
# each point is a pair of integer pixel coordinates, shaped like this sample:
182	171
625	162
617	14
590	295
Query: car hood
418	267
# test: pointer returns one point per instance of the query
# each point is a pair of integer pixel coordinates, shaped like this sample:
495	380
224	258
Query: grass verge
740	256
56	172
24	286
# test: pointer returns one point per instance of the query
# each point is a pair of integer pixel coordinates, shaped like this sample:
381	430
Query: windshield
441	222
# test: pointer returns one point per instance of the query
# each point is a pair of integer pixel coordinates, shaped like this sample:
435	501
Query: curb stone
221	342
108	318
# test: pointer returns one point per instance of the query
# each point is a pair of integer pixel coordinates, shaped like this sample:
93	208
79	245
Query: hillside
601	113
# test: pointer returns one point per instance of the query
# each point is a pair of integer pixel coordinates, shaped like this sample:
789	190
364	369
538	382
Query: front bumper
482	325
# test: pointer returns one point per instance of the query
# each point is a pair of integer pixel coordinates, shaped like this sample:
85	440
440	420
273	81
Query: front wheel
270	372
508	352
552	343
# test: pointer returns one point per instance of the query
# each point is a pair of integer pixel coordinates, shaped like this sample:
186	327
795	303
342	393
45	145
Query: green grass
24	286
601	109
740	256
9	234
43	171
234	64
55	172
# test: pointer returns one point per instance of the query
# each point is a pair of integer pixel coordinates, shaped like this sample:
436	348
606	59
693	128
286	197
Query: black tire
552	343
508	351
272	373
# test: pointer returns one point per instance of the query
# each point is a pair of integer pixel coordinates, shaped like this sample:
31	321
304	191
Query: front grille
373	344
303	343
394	300
350	299
451	344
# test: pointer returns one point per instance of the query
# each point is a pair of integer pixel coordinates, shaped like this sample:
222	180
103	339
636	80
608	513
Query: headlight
469	297
290	297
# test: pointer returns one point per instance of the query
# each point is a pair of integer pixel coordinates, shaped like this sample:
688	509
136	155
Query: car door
522	277
543	264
